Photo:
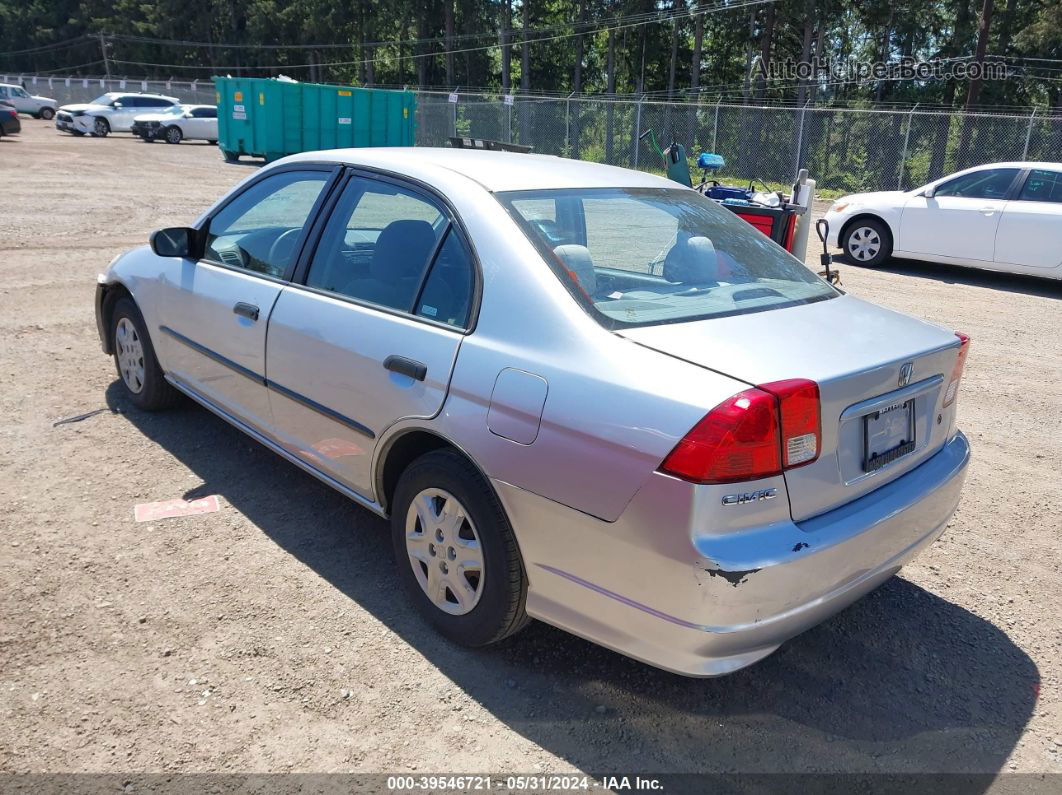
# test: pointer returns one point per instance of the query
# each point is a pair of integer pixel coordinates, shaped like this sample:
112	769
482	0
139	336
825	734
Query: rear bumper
660	587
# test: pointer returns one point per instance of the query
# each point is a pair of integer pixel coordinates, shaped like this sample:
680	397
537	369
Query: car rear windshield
635	257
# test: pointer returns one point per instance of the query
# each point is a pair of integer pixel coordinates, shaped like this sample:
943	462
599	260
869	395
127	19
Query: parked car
178	123
9	123
24	102
580	393
1001	217
111	112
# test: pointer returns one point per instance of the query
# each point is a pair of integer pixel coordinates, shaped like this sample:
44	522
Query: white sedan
1001	217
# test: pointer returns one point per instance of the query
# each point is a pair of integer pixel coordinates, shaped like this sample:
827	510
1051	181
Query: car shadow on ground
902	681
973	277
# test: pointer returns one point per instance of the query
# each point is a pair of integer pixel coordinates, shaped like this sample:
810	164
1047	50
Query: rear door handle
400	364
246	310
988	210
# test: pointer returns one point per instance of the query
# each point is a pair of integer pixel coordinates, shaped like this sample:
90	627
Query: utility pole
106	60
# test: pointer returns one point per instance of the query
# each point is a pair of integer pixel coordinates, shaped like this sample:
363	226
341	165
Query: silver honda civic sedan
580	394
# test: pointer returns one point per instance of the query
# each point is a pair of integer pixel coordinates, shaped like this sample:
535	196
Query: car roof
1015	164
495	171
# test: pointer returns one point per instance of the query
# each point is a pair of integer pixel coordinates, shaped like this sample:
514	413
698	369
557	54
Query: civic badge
905	374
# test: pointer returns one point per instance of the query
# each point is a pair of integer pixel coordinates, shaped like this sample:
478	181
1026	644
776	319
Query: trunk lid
854	351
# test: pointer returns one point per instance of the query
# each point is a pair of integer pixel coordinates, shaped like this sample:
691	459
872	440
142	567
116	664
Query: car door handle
988	210
246	310
400	364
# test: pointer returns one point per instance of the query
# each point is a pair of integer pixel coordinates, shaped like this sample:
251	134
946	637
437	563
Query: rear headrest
578	262
402	249
693	261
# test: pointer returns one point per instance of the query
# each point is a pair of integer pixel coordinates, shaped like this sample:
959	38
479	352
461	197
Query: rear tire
47	114
173	135
452	538
101	127
867	242
134	358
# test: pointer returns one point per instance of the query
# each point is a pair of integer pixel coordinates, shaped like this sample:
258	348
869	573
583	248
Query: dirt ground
270	636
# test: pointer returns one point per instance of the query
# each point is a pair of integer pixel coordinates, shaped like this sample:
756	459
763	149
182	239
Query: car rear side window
260	229
1042	186
378	244
205	113
989	183
647	256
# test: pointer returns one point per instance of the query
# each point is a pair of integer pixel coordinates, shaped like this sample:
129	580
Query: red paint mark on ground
167	509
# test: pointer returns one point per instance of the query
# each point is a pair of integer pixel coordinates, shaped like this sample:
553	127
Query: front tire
134	358
174	135
47	114
456	551
101	128
867	242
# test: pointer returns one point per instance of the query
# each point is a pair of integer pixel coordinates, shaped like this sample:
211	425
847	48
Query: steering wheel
278	256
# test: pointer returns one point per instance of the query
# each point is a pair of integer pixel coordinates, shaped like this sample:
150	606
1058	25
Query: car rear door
1029	239
202	125
369	332
214	312
960	220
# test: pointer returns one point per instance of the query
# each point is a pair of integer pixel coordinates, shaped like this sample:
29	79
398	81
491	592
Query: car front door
124	110
959	221
371	334
1029	239
22	101
214	312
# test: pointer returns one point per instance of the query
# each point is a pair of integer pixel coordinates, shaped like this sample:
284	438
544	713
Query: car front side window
260	229
990	183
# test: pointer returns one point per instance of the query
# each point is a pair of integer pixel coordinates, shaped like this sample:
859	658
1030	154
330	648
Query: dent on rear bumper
659	586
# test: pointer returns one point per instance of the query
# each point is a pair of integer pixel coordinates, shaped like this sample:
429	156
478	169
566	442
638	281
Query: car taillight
952	391
798	402
754	434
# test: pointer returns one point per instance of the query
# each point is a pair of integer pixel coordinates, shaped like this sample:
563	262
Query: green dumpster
272	118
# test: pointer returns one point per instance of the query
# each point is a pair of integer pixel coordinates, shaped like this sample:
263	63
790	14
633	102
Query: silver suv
112	112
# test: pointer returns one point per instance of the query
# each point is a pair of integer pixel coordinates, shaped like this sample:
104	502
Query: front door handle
246	310
988	210
400	364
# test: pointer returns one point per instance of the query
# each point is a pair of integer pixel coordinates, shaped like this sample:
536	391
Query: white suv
24	102
113	112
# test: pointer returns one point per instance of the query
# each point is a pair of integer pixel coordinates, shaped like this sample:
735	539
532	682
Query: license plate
887	435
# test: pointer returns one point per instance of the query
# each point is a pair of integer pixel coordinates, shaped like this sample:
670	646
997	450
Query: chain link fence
845	149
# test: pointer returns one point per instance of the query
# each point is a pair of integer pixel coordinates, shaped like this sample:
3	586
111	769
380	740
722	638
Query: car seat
576	259
398	260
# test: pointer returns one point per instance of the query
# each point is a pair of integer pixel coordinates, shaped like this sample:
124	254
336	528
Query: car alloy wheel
47	114
444	551
864	244
129	351
173	135
100	128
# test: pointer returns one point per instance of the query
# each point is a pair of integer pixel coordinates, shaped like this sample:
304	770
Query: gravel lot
269	636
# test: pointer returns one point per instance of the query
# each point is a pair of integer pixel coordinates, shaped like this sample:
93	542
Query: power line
578	28
718	8
59	45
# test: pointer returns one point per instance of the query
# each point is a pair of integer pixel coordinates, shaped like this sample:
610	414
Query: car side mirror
929	193
176	241
116	104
